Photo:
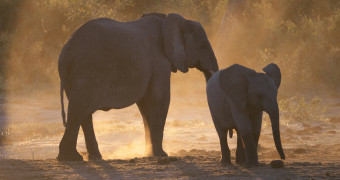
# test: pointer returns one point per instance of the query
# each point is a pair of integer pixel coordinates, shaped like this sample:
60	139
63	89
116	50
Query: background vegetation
302	36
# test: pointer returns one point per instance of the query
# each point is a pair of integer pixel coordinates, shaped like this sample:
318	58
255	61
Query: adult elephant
237	97
108	64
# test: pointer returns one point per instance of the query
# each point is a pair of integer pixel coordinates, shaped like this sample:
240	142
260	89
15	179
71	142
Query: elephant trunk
274	118
207	73
208	65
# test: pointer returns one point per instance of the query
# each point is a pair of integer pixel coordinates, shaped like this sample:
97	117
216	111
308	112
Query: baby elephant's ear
273	71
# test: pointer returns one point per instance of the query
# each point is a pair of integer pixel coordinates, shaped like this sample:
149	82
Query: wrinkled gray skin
237	97
111	65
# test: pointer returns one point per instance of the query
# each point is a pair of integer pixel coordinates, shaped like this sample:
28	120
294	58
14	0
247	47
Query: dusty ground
310	141
196	165
312	151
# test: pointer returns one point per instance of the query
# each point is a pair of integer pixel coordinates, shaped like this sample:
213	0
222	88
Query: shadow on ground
146	168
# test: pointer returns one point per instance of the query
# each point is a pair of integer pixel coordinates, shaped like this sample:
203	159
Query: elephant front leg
90	139
156	136
154	108
240	154
244	128
250	149
256	122
148	144
154	117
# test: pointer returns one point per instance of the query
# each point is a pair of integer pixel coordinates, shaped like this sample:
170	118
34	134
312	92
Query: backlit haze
301	38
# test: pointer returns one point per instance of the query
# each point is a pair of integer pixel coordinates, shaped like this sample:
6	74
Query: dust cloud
301	41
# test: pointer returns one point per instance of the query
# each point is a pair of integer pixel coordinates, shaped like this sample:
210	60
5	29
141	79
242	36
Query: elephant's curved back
214	91
109	60
213	81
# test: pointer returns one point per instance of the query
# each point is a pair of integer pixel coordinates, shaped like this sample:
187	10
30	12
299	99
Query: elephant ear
234	82
174	41
273	71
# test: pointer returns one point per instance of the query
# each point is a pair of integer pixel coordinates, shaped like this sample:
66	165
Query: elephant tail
62	103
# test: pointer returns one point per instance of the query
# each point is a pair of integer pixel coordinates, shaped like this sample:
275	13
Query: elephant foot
240	157
160	153
253	164
225	162
240	161
75	156
94	156
68	151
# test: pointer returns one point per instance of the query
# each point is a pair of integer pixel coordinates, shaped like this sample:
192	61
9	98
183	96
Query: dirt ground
195	165
312	147
320	160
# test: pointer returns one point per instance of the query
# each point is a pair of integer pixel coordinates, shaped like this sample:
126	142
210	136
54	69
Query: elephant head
250	90
186	45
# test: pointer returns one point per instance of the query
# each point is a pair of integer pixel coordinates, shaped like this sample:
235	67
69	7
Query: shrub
298	35
298	110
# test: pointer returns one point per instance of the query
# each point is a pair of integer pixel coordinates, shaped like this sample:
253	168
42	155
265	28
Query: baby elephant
237	97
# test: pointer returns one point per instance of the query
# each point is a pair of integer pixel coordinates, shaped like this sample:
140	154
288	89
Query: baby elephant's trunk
274	118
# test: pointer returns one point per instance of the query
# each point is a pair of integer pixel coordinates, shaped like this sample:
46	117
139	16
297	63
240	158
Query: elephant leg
222	134
244	126
250	150
90	139
154	116
240	154
256	120
154	109
225	159
148	144
67	146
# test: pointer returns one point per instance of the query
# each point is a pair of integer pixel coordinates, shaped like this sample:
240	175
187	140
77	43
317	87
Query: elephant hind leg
225	159
67	146
90	139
